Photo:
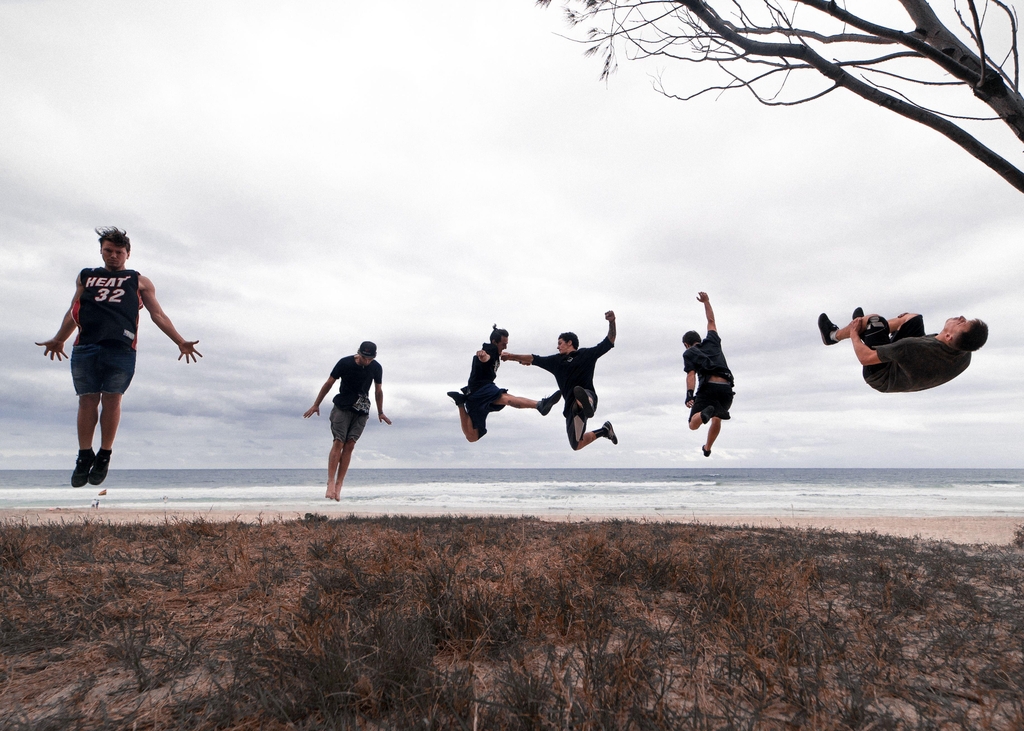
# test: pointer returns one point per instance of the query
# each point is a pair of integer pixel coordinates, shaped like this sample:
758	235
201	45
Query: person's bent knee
472	438
897	322
695	423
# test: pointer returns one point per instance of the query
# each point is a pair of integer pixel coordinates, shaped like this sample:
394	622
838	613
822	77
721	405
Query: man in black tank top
105	311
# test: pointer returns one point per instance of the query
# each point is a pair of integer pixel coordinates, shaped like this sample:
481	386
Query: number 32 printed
104	295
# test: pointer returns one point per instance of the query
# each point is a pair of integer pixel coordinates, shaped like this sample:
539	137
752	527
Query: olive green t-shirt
914	364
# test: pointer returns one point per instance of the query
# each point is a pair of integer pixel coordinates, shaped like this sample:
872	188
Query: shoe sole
580	394
545	404
825	328
611	432
859	312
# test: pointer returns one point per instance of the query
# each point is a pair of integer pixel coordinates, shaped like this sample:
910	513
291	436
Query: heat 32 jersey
108	310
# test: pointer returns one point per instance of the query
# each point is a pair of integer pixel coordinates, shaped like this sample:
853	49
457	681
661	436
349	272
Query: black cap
368	349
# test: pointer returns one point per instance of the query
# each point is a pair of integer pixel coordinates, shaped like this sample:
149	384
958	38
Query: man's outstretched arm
315	408
54	347
864	354
708	312
610	317
378	393
148	294
522	359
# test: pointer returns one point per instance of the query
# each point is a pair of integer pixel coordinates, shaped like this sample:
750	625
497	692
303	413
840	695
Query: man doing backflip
481	396
573	369
105	311
351	409
898	356
704	359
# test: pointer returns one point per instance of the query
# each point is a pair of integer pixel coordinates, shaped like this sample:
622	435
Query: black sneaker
545	404
859	312
581	395
81	474
705	451
706	414
609	432
98	473
458	397
826	327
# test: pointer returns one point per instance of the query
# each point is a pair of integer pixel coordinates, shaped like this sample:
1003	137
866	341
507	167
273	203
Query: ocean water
542	492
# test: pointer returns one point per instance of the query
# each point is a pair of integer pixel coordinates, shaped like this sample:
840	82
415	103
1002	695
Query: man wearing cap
351	409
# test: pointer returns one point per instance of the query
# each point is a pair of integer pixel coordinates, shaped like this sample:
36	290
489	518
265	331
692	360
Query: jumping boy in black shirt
704	358
481	396
573	369
351	409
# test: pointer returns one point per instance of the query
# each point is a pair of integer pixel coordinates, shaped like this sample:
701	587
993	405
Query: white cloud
299	178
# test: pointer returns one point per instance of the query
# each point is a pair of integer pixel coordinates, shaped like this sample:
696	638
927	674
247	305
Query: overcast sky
298	177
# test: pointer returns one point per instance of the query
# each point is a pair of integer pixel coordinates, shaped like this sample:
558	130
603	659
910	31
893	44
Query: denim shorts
100	368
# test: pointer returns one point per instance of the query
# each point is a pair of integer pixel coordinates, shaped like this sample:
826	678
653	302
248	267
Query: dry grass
492	623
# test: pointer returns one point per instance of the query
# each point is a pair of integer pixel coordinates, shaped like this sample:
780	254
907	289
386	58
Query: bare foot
330	492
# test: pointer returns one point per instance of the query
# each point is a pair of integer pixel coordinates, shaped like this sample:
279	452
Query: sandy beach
993	530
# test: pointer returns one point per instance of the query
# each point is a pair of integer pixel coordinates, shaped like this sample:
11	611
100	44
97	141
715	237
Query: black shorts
718	395
576	422
877	333
480	403
575	428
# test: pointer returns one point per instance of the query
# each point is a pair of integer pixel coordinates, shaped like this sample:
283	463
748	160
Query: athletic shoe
705	450
609	432
545	404
706	414
581	395
826	327
81	474
457	397
859	312
98	473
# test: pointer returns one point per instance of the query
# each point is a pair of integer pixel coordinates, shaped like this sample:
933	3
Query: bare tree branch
761	48
979	39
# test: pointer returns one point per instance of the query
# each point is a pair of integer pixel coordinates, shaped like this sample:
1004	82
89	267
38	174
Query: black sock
86	453
103	453
602	432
